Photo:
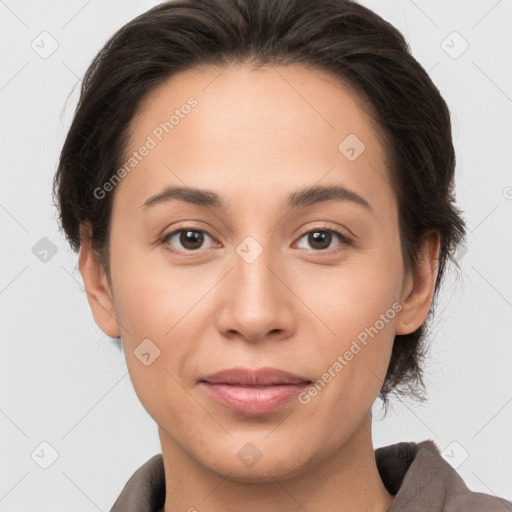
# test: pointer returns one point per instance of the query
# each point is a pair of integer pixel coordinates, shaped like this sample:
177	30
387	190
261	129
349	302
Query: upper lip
260	377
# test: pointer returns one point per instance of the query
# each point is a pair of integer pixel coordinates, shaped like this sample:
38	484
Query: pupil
320	236
191	239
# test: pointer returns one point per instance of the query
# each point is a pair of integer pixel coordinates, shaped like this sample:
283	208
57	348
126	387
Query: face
251	271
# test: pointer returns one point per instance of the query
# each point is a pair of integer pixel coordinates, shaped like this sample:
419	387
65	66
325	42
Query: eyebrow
301	198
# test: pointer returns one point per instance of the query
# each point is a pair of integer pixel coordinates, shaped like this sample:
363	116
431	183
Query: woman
262	197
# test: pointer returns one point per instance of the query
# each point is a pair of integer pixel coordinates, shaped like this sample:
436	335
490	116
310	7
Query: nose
256	301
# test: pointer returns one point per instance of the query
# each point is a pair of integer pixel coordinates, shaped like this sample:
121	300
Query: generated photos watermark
157	135
354	349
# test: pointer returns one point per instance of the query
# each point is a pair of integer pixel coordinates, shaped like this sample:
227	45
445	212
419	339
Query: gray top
415	473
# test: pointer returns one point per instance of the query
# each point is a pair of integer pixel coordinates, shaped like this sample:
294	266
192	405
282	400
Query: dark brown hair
340	37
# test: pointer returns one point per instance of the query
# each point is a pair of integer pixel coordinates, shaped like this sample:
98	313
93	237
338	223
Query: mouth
253	392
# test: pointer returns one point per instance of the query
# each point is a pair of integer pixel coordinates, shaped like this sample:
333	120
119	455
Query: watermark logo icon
249	249
454	45
44	250
146	352
44	455
249	455
44	45
455	454
351	147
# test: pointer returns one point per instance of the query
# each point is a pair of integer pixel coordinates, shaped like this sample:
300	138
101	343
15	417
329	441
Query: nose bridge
255	302
252	274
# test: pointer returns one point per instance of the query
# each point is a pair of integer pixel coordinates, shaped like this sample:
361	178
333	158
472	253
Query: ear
419	287
96	284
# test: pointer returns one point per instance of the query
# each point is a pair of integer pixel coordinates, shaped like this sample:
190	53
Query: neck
346	480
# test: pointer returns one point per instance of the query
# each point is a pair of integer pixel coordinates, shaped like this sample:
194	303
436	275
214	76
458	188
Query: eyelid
330	227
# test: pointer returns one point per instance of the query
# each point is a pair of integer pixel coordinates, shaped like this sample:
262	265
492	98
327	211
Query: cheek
358	305
162	395
351	297
359	353
152	298
354	366
148	305
157	332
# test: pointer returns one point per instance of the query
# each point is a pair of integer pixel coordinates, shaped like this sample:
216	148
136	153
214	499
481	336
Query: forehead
238	127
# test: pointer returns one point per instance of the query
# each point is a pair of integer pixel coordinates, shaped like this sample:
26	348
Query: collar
415	473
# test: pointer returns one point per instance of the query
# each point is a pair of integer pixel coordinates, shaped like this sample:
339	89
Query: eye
320	239
190	239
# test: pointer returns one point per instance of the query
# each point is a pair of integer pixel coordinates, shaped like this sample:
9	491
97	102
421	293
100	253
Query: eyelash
343	239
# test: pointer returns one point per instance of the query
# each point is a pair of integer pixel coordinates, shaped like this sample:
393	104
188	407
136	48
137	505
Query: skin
254	137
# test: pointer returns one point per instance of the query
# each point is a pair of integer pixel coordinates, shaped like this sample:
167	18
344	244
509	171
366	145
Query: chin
247	464
262	472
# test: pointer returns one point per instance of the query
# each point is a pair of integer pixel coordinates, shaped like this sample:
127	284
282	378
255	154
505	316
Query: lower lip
253	399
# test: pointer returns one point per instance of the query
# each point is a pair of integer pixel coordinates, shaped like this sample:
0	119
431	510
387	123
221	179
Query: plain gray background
61	380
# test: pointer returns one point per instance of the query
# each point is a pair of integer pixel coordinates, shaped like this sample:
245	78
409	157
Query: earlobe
419	288
96	285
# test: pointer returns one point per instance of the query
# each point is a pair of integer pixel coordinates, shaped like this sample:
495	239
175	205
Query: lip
253	391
